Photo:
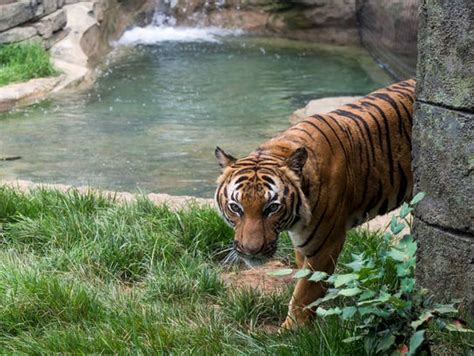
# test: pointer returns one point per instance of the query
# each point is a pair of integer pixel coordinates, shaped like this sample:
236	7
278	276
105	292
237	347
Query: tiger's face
259	199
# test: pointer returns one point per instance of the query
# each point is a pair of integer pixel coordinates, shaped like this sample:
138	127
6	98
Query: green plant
24	61
378	295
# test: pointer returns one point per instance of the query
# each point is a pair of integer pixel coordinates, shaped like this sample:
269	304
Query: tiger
319	178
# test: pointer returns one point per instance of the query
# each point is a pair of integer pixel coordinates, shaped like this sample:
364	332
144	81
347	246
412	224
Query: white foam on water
153	34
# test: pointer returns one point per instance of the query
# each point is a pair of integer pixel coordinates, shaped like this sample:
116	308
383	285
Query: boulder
321	106
17	34
47	25
16	13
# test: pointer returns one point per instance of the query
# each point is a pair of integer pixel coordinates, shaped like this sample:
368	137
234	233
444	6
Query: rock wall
388	29
443	150
330	21
38	20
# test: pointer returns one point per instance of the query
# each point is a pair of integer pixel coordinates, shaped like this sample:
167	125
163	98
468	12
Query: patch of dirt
258	278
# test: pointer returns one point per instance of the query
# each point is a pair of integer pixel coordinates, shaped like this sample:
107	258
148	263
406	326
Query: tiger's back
359	162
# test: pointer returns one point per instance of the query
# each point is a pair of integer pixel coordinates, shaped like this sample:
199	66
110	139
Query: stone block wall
33	20
443	150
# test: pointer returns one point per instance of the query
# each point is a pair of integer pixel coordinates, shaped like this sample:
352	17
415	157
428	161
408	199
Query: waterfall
164	28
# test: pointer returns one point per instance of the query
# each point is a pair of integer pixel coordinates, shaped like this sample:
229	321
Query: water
152	120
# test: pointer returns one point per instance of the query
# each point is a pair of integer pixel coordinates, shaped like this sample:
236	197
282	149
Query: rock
446	53
443	152
17	34
321	106
16	13
55	38
49	6
47	25
25	93
445	264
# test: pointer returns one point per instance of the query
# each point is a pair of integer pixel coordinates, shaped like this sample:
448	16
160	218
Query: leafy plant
378	295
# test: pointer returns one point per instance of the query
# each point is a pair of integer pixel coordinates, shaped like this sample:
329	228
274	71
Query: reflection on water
154	117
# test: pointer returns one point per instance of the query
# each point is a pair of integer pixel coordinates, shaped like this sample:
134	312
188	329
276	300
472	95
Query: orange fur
322	176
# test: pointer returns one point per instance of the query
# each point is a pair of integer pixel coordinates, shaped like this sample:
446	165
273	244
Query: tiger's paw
288	324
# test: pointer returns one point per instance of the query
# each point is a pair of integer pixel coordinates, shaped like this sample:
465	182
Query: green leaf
348	312
302	273
407	285
342	279
332	294
331	311
280	272
349	292
352	339
366	295
415	341
423	318
396	227
405	210
397	255
458	327
318	276
445	309
385	343
417	198
356	266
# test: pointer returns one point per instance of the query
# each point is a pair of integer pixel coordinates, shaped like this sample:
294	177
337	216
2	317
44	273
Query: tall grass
80	273
24	61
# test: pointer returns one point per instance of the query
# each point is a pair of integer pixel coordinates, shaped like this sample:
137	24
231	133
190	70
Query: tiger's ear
223	158
297	160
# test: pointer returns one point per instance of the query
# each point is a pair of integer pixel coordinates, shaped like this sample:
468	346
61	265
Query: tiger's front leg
306	291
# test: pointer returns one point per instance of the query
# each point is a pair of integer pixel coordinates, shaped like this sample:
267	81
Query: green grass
83	274
21	62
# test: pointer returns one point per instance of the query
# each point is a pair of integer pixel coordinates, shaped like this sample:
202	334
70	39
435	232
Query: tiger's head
260	195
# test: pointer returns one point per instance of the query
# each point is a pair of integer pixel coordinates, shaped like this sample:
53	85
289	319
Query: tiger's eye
235	208
272	208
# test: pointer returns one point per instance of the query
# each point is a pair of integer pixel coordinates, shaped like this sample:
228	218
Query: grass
82	274
21	62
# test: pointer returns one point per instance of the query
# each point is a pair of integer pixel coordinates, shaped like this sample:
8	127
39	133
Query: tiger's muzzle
262	252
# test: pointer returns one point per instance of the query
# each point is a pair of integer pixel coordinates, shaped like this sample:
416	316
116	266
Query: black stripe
375	200
241	179
383	208
356	119
388	138
389	99
324	240
302	130
268	179
344	130
402	190
400	92
379	130
316	227
335	134
321	131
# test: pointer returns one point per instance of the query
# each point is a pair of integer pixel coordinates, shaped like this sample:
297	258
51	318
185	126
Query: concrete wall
443	150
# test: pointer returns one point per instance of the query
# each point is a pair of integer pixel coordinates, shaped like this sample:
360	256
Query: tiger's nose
249	248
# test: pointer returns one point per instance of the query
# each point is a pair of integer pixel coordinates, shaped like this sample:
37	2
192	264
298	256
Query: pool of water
153	118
